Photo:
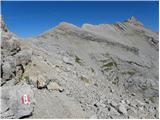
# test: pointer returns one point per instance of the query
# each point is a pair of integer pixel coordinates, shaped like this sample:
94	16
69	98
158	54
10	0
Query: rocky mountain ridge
93	71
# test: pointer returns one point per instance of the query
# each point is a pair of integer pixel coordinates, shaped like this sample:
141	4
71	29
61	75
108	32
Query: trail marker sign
25	99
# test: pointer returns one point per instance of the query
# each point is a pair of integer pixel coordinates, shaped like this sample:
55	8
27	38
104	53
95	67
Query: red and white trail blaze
25	99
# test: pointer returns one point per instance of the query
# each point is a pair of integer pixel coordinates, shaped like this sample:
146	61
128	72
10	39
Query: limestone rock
10	45
23	57
113	104
12	57
67	60
18	100
134	21
122	109
41	83
8	68
54	86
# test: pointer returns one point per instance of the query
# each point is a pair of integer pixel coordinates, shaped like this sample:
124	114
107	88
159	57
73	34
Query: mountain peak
66	25
133	20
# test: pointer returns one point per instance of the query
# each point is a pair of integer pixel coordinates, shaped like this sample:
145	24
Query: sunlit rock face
12	69
93	71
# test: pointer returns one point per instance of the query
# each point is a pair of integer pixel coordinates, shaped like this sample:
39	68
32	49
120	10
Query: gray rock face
133	20
8	68
12	56
17	101
23	57
96	71
55	105
10	45
122	109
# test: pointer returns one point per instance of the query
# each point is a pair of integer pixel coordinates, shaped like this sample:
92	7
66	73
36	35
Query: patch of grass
110	64
23	78
115	64
26	77
29	64
115	81
107	69
92	70
86	80
57	66
130	72
77	60
152	99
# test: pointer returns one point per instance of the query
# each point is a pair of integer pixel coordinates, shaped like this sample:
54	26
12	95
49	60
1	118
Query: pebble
113	104
66	60
122	109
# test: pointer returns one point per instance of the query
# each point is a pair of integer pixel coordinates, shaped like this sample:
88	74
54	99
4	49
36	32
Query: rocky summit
92	71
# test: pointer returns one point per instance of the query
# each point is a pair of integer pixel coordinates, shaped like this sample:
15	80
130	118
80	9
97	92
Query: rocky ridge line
96	71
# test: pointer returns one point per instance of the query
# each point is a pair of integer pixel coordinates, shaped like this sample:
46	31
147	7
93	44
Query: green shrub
152	99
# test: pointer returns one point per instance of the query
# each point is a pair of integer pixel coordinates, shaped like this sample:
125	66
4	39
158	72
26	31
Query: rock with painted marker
18	100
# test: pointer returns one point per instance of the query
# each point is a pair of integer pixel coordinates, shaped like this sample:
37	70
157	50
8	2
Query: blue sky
27	19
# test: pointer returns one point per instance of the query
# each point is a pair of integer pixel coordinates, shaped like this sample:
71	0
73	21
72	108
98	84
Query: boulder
10	82
23	57
67	60
32	80
41	81
54	86
4	53
8	68
9	45
17	101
